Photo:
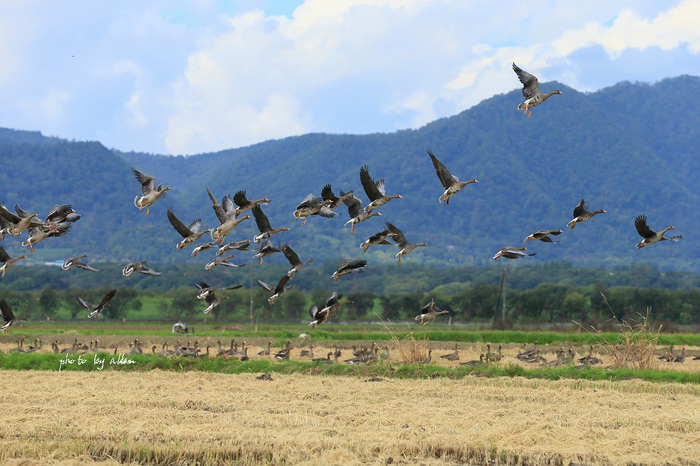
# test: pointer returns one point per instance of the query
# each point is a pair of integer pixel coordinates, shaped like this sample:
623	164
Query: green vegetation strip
91	362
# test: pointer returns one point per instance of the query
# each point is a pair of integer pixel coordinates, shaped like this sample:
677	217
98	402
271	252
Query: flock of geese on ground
360	356
228	212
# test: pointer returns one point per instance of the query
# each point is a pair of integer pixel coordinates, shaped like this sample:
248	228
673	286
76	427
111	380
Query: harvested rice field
204	418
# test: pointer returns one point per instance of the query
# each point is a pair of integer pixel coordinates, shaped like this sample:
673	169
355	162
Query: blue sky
185	77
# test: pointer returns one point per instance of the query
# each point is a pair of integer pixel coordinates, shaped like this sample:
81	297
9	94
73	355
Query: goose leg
3	273
304	222
352	228
529	113
148	209
260	261
400	259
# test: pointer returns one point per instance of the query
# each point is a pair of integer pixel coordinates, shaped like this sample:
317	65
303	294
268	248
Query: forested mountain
630	149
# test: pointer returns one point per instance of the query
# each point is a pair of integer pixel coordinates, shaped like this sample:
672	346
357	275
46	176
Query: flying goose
139	267
332	306
244	204
312	205
19	224
8	261
511	252
266	249
335	201
450	182
62	213
279	290
375	190
404	246
543	235
227	215
294	261
203	247
581	214
454	356
357	215
150	194
8	316
222	261
190	233
531	90
650	236
266	231
349	266
5	227
39	234
212	301
204	289
235	246
77	262
429	312
377	238
96	309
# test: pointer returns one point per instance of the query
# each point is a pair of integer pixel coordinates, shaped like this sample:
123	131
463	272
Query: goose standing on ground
357	215
8	316
266	249
294	261
511	252
96	309
266	231
18	224
581	214
190	233
349	266
309	353
375	190
203	247
590	359
454	356
224	261
150	194
680	358
378	238
474	363
332	306
228	218
77	262
650	236
39	234
284	352
235	246
265	352
7	261
62	213
450	182
312	205
334	201
204	289
278	291
244	204
429	312
139	267
404	246
531	90
543	235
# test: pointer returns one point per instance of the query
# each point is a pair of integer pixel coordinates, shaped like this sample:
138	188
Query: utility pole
251	294
503	292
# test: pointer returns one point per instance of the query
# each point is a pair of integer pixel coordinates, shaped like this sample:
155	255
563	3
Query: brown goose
357	215
266	231
19	224
5	228
590	359
77	262
204	289
531	90
334	201
265	352
96	309
62	213
491	357
8	316
429	312
203	247
581	214
378	238
404	246
266	249
139	267
680	358
309	353
190	233
7	261
223	261
375	190
227	216
150	193
244	204
312	205
450	182
650	236
39	234
212	300
475	363
543	235
332	306
294	260
454	356
511	252
348	266
277	291
235	246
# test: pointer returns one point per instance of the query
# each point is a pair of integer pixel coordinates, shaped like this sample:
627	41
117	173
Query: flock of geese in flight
59	220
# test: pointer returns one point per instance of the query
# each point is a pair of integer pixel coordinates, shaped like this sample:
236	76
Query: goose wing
349	264
108	297
218	209
86	305
280	285
240	199
146	181
446	178
9	216
335	297
261	219
313	310
4	256
354	206
178	225
202	285
6	311
264	285
531	86
398	237
580	209
327	194
641	224
371	188
22	213
309	201
59	210
228	207
428	308
61	229
291	256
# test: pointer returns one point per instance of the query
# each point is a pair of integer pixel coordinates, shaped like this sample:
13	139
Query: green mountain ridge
630	149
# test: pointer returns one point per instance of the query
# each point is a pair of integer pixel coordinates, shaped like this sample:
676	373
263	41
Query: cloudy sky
185	77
